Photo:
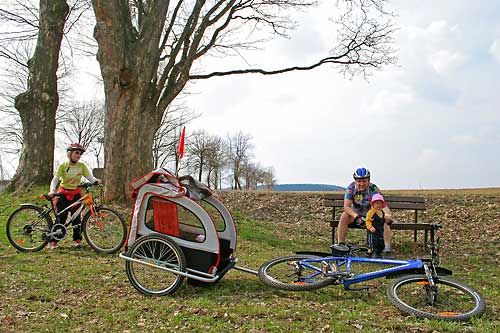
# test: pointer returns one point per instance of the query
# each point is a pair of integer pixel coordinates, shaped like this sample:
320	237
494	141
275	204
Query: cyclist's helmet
361	173
75	146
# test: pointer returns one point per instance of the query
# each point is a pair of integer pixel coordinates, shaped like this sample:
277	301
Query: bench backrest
336	200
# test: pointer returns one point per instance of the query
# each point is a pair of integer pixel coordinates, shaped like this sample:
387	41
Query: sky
431	121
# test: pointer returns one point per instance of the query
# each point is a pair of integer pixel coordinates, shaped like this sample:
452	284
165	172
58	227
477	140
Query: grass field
79	290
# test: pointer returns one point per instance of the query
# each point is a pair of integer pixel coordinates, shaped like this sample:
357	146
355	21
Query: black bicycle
31	227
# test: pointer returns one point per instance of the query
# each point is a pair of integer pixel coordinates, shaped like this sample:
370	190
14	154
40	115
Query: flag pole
180	149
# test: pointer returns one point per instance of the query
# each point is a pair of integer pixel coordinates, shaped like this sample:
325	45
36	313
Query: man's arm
347	208
388	213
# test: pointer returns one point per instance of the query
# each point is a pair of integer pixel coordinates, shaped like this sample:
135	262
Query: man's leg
345	220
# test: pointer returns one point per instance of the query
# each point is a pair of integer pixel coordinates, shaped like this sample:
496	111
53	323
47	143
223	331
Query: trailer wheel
155	252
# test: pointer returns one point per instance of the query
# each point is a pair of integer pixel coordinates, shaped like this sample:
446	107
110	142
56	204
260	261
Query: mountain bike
31	227
421	290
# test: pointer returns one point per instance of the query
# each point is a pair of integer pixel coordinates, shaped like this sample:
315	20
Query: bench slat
395	202
389	198
394	226
392	205
404	199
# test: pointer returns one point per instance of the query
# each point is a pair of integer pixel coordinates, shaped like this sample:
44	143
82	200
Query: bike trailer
187	212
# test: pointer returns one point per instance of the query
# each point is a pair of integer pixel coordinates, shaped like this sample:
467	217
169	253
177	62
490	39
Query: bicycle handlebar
85	185
88	184
46	196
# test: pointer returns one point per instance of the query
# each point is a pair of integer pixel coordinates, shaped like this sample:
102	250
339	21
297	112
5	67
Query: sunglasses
77	152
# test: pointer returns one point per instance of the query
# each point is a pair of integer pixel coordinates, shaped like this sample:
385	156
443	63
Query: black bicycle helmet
75	146
361	173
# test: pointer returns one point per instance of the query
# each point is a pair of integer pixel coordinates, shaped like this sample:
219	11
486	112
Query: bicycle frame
347	278
85	201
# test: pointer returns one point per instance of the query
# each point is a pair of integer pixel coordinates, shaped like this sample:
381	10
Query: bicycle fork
430	286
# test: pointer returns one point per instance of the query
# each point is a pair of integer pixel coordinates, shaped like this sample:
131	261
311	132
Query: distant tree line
217	161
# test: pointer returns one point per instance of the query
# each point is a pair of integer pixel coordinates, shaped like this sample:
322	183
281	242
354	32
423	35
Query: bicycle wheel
27	228
288	274
450	300
155	250
106	231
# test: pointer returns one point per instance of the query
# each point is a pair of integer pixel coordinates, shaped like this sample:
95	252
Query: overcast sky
430	122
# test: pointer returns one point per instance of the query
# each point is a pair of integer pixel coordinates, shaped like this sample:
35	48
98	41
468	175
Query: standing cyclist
69	174
357	202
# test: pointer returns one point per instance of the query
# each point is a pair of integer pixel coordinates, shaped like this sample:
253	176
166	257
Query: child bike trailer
178	230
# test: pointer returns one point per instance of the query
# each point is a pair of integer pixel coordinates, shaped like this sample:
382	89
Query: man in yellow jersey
69	174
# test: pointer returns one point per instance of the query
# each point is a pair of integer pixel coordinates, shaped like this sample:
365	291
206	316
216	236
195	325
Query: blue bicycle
421	290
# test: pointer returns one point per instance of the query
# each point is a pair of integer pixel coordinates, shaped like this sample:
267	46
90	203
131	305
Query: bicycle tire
155	250
20	232
455	301
291	278
106	232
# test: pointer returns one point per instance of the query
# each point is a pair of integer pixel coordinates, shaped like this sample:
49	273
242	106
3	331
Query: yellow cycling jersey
71	175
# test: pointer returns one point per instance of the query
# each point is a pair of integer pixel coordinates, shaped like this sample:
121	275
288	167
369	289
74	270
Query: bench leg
415	236
333	236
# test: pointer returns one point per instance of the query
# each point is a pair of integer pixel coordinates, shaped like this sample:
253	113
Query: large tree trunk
128	66
38	105
128	141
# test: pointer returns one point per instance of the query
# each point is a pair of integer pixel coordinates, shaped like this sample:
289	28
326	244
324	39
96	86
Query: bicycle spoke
27	228
298	272
447	299
161	251
105	231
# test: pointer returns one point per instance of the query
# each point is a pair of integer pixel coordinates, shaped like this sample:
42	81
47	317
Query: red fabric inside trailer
165	217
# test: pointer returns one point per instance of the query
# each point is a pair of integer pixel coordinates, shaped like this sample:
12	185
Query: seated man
357	201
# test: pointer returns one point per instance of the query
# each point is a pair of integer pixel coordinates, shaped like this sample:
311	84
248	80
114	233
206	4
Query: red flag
180	150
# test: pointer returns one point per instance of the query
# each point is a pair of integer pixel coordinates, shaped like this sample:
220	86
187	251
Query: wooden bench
395	202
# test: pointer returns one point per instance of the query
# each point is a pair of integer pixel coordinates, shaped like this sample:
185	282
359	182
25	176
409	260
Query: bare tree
83	122
268	178
166	138
239	152
148	51
13	82
216	161
198	149
250	174
206	154
255	175
36	27
38	104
